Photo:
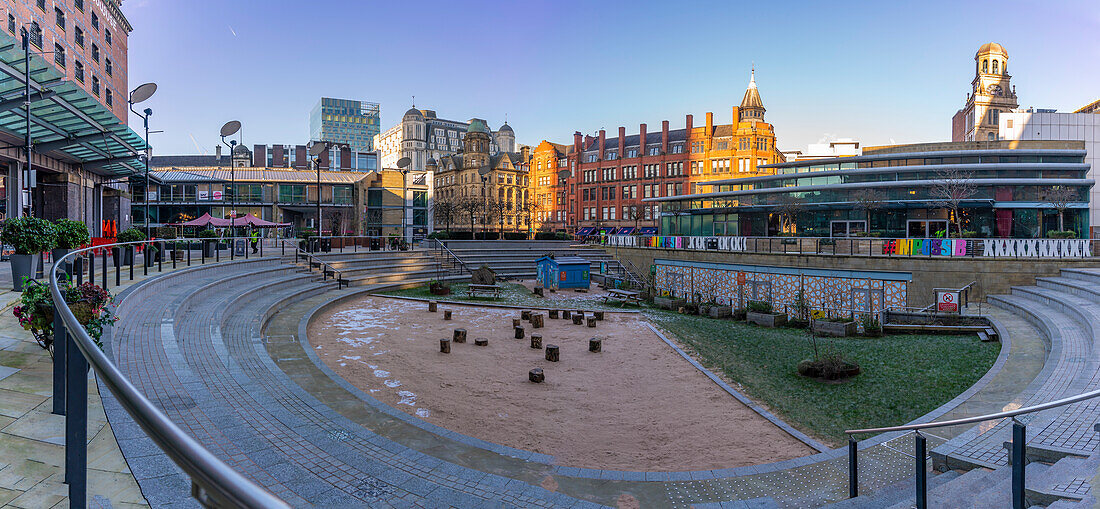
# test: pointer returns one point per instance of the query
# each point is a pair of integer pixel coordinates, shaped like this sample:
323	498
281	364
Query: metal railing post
1019	463
160	257
60	347
175	249
76	424
853	468
91	266
218	252
118	266
133	258
921	454
145	253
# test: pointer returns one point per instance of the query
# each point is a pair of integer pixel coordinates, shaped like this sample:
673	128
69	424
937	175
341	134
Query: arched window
995	66
985	65
990	136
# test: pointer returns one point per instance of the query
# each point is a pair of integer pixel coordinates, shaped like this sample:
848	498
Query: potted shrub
129	235
71	234
151	254
838	327
740	314
179	249
871	325
209	241
1055	234
29	237
761	313
436	287
88	302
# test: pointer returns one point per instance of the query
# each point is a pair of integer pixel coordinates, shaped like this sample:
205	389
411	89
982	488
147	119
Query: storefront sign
925	247
204	195
947	301
217	195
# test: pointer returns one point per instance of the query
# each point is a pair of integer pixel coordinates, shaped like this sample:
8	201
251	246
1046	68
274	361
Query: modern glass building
345	121
1001	189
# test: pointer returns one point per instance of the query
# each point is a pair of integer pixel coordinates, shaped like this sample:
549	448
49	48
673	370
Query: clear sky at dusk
879	72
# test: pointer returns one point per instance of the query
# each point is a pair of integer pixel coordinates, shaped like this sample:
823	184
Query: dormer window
995	67
985	66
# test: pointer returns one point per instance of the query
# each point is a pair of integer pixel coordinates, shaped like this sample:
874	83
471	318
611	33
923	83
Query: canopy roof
246	220
66	122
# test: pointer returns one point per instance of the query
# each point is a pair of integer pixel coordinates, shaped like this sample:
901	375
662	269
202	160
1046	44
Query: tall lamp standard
229	129
403	167
484	171
138	95
315	151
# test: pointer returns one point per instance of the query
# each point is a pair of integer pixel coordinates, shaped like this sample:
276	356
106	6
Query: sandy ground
636	406
594	292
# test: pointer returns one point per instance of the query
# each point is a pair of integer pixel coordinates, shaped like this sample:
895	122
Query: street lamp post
315	152
403	167
141	94
229	129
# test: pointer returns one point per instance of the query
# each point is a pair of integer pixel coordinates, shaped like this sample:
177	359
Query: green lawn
515	294
903	377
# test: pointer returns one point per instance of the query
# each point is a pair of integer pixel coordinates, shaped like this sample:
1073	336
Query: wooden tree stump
599	315
595	345
446	314
445	345
525	314
459	336
552	353
536	320
591	321
565	314
432	306
553	313
538	291
481	342
536	375
516	322
536	341
578	320
579	313
519	332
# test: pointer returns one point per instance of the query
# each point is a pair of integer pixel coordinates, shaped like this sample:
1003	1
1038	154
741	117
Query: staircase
1063	443
515	259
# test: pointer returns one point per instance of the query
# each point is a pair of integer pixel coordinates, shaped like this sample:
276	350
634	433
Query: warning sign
947	302
740	278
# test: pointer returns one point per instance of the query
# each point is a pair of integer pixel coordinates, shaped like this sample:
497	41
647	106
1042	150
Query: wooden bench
487	290
622	296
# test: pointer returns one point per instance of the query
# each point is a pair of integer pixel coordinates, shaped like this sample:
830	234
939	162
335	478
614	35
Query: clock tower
992	94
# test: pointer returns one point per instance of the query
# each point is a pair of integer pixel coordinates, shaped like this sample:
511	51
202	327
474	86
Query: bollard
481	342
519	332
552	353
595	345
536	341
445	345
536	375
446	314
553	313
459	336
432	306
591	321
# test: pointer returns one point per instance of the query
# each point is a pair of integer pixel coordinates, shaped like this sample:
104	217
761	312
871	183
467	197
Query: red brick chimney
577	142
687	124
622	141
736	117
641	140
709	131
664	136
602	139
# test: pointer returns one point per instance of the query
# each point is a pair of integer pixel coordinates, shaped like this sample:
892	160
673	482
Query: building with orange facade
600	182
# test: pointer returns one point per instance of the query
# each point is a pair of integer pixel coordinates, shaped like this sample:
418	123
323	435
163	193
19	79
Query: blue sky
879	72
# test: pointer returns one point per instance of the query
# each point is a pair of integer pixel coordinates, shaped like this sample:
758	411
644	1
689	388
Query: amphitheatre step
1084	311
1091	275
1069	478
1078	287
892	495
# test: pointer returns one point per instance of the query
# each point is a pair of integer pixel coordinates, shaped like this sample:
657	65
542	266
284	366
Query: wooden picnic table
490	290
622	296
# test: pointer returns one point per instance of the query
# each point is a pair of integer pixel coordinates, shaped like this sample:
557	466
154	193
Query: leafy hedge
71	234
29	235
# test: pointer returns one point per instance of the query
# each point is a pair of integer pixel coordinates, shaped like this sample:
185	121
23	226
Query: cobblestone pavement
192	342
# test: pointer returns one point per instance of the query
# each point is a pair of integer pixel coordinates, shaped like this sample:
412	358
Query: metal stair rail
1016	455
327	270
456	263
213	482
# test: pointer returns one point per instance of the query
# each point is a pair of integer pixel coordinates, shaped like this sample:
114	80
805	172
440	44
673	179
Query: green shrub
29	235
756	306
441	234
969	234
1055	234
871	326
207	234
71	234
306	233
831	366
739	314
130	235
164	232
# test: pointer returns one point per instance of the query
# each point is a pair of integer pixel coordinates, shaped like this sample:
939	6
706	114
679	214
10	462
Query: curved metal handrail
443	247
219	480
980	418
337	274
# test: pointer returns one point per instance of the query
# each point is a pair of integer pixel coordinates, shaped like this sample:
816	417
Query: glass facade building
1000	190
345	121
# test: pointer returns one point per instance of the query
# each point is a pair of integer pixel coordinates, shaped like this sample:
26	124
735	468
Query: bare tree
1060	197
870	201
950	189
473	207
499	209
528	209
444	211
789	208
632	213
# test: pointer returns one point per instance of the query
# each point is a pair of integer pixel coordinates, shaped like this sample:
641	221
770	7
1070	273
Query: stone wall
993	275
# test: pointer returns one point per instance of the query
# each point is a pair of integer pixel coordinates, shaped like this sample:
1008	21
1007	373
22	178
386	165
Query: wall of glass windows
998	192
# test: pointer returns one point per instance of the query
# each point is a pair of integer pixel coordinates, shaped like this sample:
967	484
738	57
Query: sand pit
637	405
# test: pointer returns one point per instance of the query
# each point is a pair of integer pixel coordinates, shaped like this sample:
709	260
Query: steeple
752	108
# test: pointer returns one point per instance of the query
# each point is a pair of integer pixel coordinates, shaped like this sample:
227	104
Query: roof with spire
752	95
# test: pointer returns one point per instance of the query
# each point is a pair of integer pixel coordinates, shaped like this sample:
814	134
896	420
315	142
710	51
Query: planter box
721	311
838	329
767	319
669	302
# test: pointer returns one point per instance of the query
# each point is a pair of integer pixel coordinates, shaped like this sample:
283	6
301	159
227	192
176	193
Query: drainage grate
373	489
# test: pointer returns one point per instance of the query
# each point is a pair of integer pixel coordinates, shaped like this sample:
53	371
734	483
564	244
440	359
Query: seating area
515	259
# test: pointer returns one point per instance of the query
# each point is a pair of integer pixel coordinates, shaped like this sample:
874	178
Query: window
990	136
95	85
109	96
109	68
59	54
631	152
11	24
995	67
696	147
653	151
78	36
95	21
985	66
59	17
42	4
107	36
35	34
677	148
78	71
79	4
95	53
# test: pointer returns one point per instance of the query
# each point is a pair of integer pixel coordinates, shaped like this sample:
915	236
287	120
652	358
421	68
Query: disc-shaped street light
142	94
229	129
